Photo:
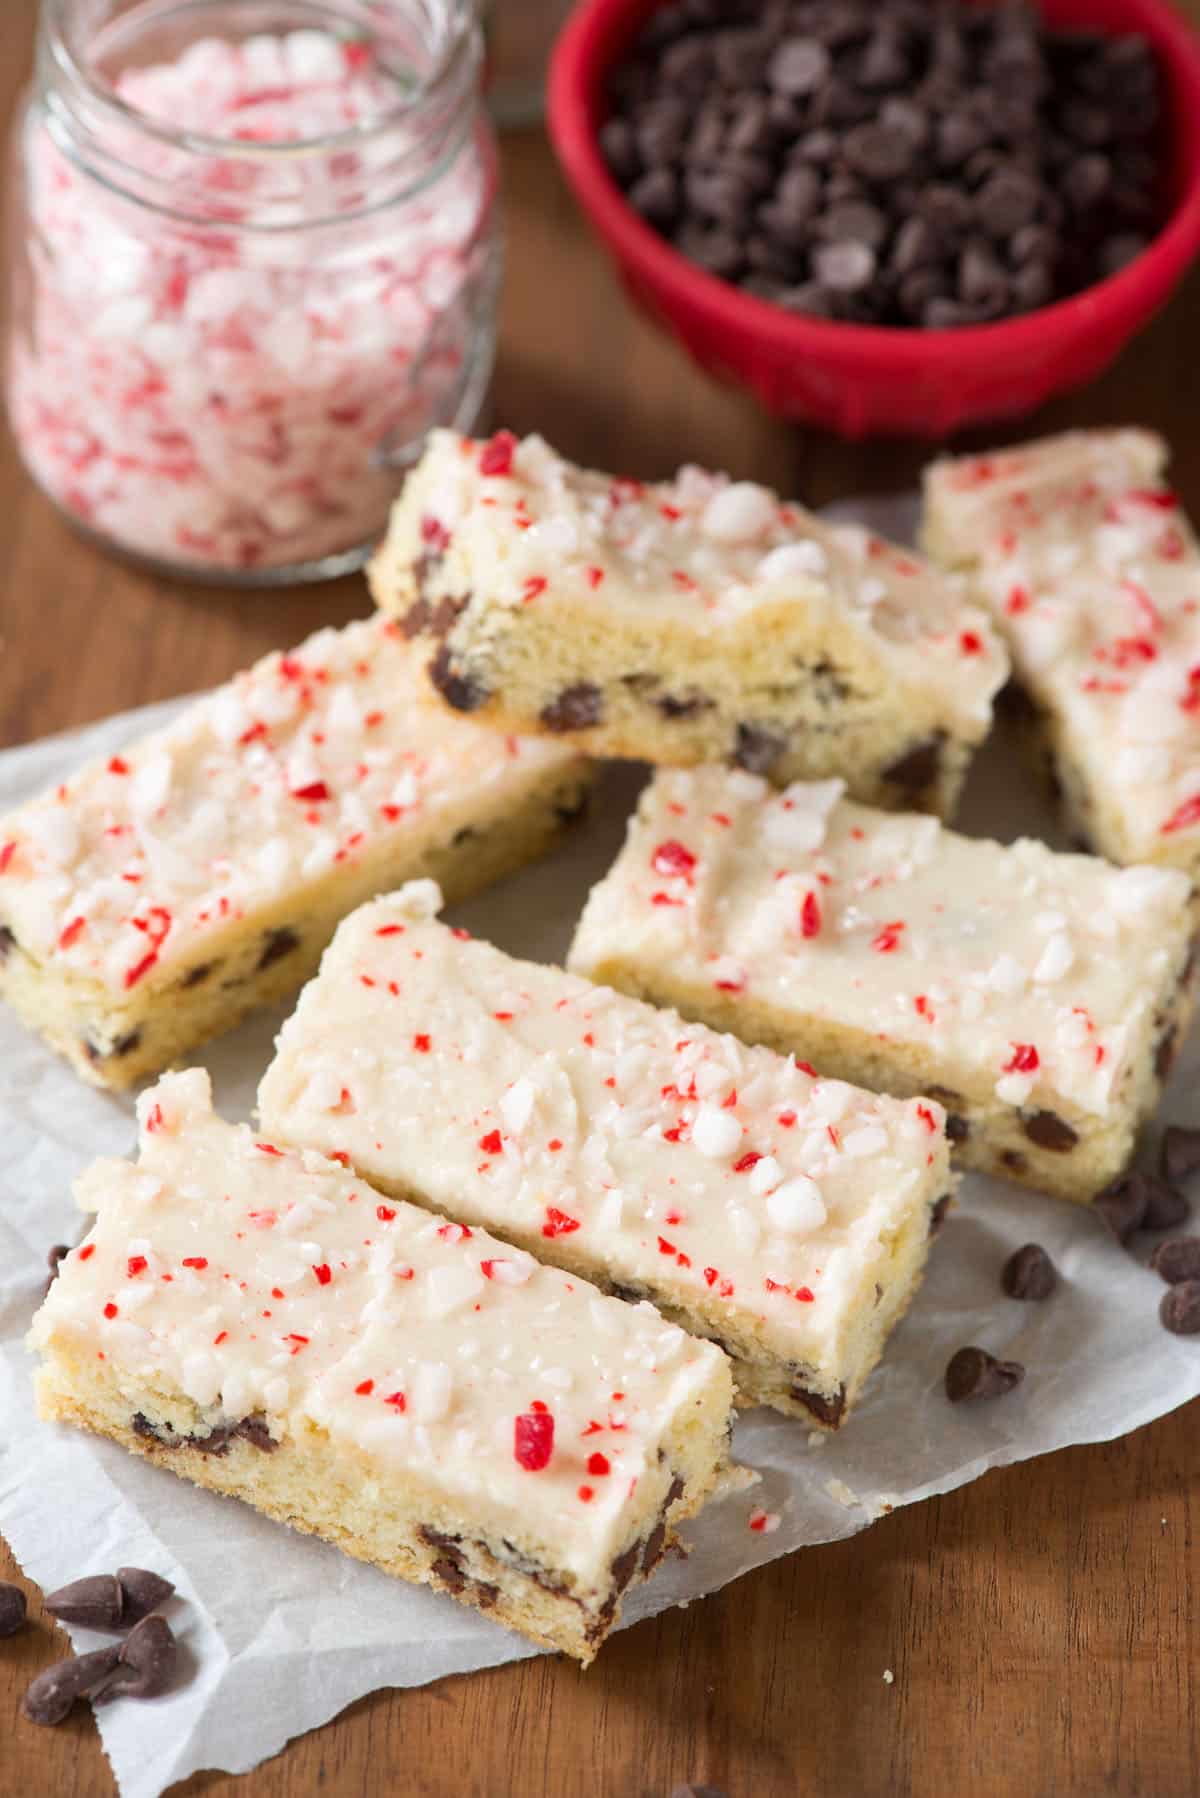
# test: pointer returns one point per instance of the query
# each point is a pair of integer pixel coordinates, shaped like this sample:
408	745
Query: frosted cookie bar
1039	997
418	1393
784	1217
690	621
1091	570
165	892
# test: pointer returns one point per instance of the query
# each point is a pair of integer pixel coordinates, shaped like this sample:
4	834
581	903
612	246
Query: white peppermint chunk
1057	959
796	1208
716	1132
151	785
738	513
55	833
515	1272
449	1288
430	1391
794	561
869	1139
765	1175
516	1105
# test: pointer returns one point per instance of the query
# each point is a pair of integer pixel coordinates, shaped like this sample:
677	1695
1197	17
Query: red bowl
861	380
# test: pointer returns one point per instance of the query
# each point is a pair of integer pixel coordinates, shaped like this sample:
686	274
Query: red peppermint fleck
674	1134
1159	497
268	1148
492	1143
683	580
832	1134
7	851
664	899
421	1043
711	1276
316	789
926	1117
110	1310
671	513
1019	600
323	1272
1024	1059
434	534
534	587
364	1387
888	938
200	1262
71	932
595	576
397	1401
810	916
1145	605
585	1495
673	859
598	1465
154	1120
116	765
786	1118
554	1145
745	1162
924	1009
971	643
558	1223
298	1342
135	1265
1183	817
804	1294
220	1337
455	1232
140	968
497	454
87	1251
390	930
384	1213
1098	1054
533	1440
665	1247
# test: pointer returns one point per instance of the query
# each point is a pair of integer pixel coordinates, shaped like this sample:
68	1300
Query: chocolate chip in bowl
930	167
767	171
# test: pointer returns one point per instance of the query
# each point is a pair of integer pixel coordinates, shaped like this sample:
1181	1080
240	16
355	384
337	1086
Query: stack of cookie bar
475	1299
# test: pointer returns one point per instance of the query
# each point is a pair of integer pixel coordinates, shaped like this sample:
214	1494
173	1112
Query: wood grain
1041	1624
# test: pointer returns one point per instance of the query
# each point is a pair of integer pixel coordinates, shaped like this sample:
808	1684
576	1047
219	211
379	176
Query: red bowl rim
573	83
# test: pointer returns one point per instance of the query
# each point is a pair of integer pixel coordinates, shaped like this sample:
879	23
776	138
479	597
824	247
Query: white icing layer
1093	573
1016	970
654	1153
265	1282
306	763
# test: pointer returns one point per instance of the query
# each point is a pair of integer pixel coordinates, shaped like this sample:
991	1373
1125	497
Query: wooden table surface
1040	1623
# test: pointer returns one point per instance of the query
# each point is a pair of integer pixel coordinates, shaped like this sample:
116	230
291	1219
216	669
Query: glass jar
255	259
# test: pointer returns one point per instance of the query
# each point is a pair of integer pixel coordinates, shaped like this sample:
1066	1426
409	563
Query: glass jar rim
55	36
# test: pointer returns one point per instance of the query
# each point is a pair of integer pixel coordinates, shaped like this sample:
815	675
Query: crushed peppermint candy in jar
247	290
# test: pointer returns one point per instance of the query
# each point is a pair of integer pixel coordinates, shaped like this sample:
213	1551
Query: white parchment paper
281	1632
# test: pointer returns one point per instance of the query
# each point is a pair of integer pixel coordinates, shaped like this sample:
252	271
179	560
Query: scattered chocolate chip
142	1592
937	1217
1179	1156
277	943
458	690
12	1608
1014	1161
198	975
757	749
1179	1311
1049	1131
146	1660
918	767
7	942
54	1691
973	1373
957	1127
576	708
1122	1206
1029	1273
96	1602
826	1410
1177	1260
55	1256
